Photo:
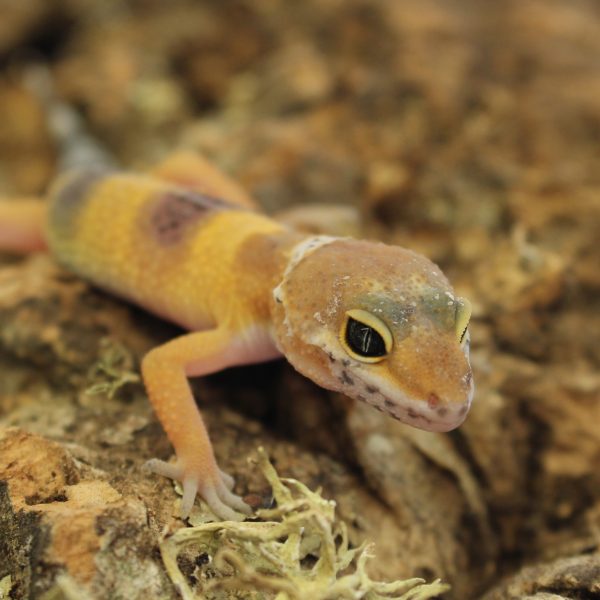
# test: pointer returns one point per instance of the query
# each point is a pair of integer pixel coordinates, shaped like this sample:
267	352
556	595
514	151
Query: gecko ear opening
365	337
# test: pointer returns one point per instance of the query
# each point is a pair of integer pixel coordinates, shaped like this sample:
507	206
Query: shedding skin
184	243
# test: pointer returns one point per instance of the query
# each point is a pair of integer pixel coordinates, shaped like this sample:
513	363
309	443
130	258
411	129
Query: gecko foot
215	491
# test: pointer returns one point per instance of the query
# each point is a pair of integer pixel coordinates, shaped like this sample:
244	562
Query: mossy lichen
113	370
296	550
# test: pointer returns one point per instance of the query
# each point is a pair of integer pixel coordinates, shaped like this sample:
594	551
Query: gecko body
376	322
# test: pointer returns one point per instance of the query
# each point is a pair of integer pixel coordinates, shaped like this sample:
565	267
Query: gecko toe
220	509
233	500
228	480
190	489
160	467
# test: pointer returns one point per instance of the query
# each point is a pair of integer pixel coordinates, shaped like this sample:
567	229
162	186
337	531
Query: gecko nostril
433	400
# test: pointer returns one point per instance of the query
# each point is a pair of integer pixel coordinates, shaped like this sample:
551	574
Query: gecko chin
422	420
418	413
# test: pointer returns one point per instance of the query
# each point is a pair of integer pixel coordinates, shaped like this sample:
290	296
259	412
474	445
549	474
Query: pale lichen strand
5	587
297	550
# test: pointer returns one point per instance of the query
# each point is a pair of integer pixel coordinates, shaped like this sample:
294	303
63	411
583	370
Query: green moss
297	550
113	370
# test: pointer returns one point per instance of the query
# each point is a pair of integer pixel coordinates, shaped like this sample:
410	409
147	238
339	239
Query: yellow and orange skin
185	243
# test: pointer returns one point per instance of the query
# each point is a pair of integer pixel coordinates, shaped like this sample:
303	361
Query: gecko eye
365	337
463	314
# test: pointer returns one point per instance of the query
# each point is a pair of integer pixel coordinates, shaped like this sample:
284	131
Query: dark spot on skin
442	411
346	362
346	378
361	398
278	300
331	358
413	414
174	212
371	389
433	400
71	197
388	403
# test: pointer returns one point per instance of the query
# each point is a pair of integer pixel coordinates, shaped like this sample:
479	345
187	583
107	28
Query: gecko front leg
165	370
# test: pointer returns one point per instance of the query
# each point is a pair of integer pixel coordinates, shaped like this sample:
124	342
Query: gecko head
380	324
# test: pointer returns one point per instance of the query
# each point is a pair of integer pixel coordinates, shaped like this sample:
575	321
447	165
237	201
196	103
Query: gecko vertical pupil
364	340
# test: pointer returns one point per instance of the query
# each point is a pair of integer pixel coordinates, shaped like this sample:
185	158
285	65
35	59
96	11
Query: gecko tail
77	148
22	226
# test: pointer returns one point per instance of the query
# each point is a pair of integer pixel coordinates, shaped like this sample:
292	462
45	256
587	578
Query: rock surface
467	131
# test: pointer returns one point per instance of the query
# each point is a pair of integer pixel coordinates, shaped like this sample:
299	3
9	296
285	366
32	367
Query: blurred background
466	130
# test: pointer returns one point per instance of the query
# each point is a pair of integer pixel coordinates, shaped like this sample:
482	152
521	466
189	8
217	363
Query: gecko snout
446	417
441	415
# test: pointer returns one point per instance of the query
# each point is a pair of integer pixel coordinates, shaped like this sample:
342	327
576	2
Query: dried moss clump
114	369
296	551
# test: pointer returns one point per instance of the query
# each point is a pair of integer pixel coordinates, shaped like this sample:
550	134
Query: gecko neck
292	254
260	265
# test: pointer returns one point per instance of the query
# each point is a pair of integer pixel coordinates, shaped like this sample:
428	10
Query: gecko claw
217	494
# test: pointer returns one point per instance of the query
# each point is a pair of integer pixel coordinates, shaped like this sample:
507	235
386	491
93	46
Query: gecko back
138	235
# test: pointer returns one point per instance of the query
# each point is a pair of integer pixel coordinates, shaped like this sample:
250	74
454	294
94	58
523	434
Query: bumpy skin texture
425	380
185	244
168	249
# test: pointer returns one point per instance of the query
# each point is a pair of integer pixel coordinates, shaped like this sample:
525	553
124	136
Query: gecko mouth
417	413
